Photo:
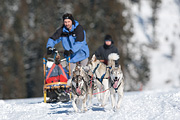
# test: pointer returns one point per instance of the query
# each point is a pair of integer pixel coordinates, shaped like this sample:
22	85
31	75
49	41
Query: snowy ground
147	105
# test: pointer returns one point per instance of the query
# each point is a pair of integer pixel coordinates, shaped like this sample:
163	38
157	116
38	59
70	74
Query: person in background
103	51
73	39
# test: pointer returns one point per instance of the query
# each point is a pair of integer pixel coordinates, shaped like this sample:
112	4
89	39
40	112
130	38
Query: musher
73	38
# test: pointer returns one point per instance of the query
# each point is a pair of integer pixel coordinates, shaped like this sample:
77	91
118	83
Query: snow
164	59
147	105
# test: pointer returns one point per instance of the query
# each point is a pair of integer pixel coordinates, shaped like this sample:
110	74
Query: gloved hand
50	50
104	61
68	52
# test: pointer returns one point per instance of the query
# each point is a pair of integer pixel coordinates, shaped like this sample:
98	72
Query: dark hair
68	16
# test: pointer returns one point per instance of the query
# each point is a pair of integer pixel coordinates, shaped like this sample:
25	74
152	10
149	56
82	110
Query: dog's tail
113	56
111	59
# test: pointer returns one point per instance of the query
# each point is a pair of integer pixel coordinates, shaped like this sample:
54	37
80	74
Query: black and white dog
80	88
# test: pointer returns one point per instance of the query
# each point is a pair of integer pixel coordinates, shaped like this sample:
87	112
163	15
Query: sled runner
55	87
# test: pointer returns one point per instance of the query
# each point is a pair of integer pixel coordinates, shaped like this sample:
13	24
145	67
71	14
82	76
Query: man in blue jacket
73	38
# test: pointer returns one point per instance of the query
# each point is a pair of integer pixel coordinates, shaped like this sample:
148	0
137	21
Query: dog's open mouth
115	85
78	91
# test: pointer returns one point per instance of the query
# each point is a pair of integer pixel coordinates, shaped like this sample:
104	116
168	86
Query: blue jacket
74	40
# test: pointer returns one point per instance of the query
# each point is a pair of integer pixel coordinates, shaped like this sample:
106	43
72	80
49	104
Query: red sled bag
56	74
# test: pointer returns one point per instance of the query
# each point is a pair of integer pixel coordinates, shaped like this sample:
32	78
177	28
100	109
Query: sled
56	75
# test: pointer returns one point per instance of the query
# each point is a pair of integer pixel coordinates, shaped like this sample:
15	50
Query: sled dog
116	86
101	74
80	88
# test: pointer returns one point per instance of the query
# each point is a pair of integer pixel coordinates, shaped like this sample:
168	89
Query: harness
117	87
102	77
95	68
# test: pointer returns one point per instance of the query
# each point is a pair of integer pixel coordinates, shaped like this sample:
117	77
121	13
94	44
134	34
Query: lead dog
116	85
80	88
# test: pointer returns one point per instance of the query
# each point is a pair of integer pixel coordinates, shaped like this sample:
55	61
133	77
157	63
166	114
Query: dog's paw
75	109
85	109
118	106
114	109
102	105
